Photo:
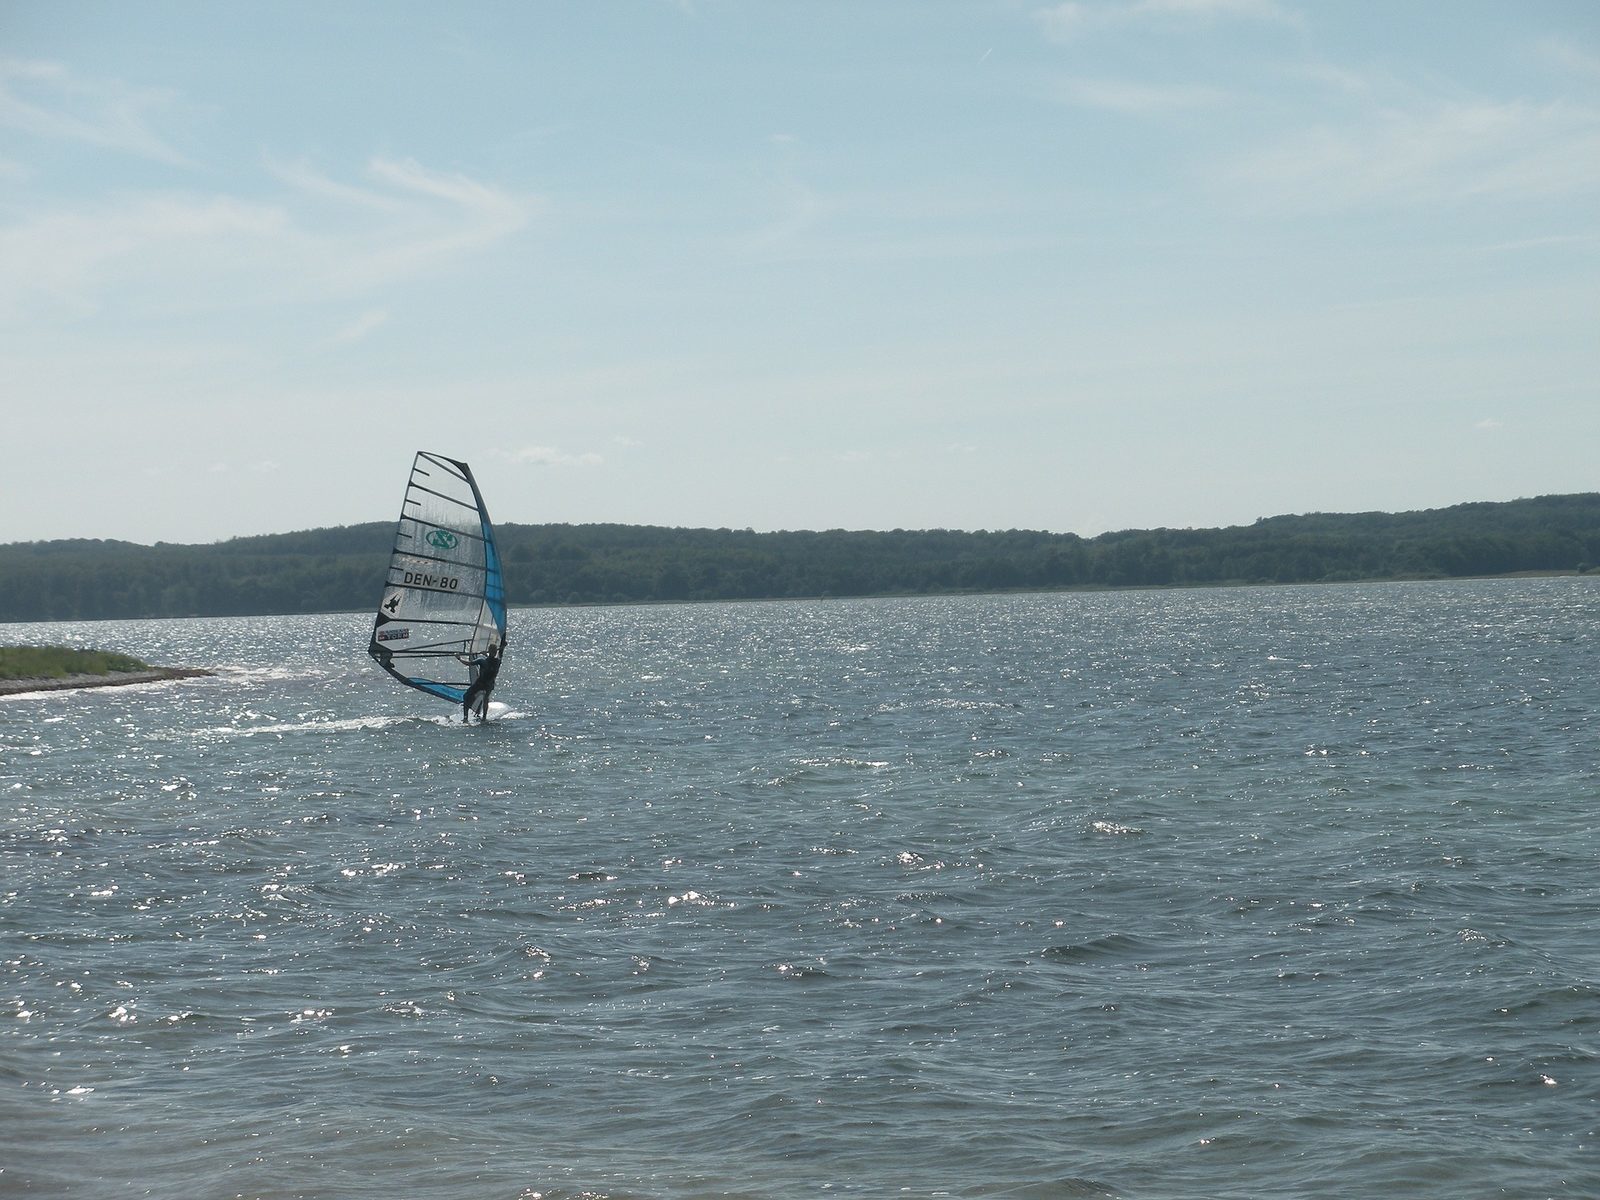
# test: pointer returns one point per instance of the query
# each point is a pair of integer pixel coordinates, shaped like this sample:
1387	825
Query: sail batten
441	496
420	557
443	606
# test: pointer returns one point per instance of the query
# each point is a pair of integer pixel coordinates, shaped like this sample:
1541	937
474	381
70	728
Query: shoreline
12	687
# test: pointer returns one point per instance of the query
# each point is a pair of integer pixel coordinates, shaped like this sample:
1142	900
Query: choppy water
1255	893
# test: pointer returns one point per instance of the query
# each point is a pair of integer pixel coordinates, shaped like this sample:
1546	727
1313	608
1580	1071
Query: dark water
1254	893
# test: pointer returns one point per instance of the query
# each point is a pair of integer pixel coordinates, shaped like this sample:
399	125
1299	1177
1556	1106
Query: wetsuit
477	695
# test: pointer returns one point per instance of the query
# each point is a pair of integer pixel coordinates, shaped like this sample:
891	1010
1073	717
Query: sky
866	264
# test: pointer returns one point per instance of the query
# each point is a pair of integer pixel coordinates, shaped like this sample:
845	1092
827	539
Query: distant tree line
332	570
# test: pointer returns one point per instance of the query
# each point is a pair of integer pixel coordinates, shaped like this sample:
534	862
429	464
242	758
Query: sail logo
442	539
393	635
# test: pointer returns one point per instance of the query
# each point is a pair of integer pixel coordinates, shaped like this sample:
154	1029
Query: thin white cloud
408	175
798	210
550	456
46	100
1487	424
358	329
1139	99
305	179
1432	152
1335	78
175	251
1077	18
71	256
1569	56
1582	241
469	217
407	222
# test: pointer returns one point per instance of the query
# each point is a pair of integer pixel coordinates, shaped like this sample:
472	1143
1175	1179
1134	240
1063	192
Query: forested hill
329	570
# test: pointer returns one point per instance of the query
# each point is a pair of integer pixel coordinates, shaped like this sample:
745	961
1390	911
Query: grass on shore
57	662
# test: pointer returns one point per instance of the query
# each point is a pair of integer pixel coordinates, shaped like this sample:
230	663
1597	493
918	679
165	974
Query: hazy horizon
966	264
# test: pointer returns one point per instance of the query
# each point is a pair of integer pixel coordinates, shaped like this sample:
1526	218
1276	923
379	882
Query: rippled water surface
1255	893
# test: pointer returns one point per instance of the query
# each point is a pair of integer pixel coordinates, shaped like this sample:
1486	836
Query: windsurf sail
444	602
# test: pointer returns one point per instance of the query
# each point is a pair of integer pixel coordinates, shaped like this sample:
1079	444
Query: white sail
443	603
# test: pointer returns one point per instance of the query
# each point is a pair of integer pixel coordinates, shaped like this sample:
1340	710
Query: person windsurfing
484	669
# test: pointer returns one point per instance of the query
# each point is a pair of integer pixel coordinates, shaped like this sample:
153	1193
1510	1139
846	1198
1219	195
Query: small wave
345	725
1055	1189
1564	1003
868	764
274	674
1112	946
1115	828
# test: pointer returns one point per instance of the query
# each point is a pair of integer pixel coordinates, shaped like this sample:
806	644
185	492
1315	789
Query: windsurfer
484	669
